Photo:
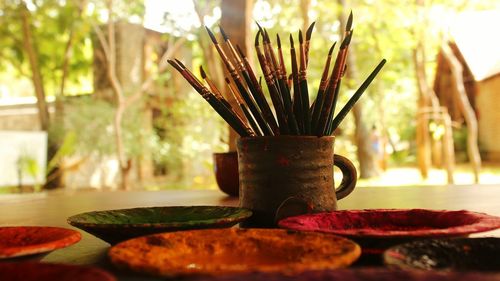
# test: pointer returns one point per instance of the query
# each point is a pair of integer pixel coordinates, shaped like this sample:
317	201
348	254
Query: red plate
378	229
394	223
32	271
18	241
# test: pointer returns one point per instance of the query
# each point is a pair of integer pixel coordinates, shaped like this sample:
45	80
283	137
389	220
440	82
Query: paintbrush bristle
266	37
257	38
258	25
175	65
348	26
346	41
291	42
202	72
180	63
349	37
279	41
212	36
331	48
224	35
309	31
301	40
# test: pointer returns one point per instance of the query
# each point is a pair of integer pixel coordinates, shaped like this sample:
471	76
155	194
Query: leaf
67	148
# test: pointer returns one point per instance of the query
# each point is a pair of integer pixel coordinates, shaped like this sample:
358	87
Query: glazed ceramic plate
31	271
477	254
114	226
379	229
16	241
359	274
233	250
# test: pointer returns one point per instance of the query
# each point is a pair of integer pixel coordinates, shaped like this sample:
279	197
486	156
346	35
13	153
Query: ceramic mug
281	176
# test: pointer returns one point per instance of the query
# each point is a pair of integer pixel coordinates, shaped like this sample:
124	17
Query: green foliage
29	165
51	22
67	148
188	131
89	128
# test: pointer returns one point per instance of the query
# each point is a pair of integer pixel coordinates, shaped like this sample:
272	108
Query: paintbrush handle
355	97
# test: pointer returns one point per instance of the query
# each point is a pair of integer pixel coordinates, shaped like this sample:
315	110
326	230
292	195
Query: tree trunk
466	109
235	19
37	79
365	153
56	175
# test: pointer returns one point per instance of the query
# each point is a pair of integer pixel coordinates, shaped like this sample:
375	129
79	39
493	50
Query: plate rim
72	237
485	223
104	273
114	251
245	213
393	258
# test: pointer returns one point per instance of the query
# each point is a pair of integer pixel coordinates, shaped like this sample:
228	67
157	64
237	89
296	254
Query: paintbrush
355	97
220	97
304	91
297	98
318	103
285	91
243	107
308	41
328	104
260	104
259	96
272	87
271	61
237	124
241	88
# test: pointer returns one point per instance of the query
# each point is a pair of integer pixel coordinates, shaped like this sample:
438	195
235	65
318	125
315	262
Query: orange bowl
232	250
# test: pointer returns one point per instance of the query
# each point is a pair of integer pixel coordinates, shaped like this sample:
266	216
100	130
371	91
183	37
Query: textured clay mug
281	176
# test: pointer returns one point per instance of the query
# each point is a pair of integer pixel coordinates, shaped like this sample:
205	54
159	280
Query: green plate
114	226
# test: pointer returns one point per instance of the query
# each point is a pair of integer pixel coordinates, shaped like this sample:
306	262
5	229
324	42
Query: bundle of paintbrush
291	112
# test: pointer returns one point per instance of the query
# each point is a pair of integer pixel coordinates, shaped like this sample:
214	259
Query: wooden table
52	209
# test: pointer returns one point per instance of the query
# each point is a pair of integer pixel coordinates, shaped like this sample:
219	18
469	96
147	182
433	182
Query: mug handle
349	176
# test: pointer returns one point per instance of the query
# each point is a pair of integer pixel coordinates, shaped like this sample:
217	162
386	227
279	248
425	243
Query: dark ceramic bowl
378	229
472	254
114	226
359	274
32	271
18	241
226	172
233	250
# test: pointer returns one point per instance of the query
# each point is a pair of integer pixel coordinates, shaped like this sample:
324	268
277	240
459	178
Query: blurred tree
123	100
36	53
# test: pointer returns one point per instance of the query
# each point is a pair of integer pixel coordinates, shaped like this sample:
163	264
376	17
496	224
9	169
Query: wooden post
466	109
448	146
423	152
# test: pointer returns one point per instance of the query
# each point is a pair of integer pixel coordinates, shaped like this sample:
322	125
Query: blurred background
87	100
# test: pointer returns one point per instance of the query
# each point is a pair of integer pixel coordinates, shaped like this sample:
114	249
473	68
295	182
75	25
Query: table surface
53	208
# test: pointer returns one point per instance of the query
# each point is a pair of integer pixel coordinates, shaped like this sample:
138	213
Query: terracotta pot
226	172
